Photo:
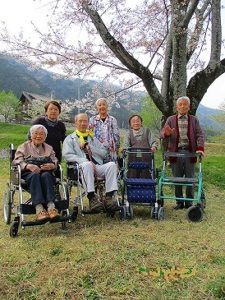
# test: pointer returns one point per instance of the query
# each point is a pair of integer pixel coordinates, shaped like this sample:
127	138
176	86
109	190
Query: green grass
11	133
104	258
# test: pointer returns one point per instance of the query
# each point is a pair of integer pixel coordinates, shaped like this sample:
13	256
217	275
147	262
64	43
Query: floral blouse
107	132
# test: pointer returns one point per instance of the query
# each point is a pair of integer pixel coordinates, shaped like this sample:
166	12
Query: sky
17	15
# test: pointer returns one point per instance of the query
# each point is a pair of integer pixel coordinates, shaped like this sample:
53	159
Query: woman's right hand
33	168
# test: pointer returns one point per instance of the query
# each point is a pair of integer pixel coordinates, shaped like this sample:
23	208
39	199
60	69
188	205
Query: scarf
82	135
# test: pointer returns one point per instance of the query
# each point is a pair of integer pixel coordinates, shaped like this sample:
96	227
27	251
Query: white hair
78	115
184	98
37	126
101	99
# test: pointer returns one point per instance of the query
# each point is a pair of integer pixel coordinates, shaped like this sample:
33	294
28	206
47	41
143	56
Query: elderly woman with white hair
106	129
38	161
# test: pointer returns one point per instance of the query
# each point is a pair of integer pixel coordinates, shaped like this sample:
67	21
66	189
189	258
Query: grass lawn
106	258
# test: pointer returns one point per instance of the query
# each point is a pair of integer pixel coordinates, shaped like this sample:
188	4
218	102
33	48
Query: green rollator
195	211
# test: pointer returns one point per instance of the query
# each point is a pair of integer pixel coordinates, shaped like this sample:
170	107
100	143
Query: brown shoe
110	203
53	213
95	205
42	216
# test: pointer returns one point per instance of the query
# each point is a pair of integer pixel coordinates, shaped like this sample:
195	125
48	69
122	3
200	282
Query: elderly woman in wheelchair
38	162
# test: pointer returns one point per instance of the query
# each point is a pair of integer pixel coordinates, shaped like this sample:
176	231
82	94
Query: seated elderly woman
38	161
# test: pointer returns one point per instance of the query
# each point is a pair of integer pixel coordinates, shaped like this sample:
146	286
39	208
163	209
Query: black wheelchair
20	207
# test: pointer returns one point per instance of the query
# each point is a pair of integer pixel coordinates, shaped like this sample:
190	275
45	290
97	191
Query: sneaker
42	216
53	213
110	203
95	205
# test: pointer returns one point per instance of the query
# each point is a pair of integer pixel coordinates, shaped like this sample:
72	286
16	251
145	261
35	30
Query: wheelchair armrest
15	174
71	164
72	171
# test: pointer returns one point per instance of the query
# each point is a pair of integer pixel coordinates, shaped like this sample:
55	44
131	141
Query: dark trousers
41	187
183	168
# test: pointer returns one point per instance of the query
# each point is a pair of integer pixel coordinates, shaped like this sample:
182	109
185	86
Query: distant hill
206	117
17	77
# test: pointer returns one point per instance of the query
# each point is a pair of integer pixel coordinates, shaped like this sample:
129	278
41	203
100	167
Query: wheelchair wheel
13	232
126	212
194	214
74	214
7	209
63	223
161	213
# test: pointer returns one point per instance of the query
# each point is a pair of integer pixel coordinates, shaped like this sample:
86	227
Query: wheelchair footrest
29	209
34	223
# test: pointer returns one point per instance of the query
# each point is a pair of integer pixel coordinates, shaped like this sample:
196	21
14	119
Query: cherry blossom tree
172	48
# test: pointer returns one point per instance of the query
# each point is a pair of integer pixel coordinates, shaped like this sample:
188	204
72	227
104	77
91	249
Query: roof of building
30	97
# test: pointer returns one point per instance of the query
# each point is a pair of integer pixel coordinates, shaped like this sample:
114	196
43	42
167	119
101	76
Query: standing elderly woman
56	128
37	161
106	129
139	137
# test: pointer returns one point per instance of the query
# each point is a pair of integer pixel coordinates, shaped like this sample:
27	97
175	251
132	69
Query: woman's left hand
47	167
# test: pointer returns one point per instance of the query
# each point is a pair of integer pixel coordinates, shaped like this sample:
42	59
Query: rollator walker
194	212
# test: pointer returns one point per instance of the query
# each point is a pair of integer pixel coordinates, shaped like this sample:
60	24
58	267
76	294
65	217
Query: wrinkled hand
47	167
33	168
153	149
168	130
83	145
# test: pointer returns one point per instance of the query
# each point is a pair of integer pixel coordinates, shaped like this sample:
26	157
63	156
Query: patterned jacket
107	133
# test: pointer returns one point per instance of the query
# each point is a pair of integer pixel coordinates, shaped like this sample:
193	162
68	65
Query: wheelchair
74	179
20	207
139	180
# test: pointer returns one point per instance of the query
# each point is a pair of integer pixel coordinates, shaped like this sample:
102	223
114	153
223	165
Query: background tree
151	115
8	105
160	43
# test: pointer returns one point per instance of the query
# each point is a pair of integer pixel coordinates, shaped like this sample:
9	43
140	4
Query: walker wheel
126	212
130	213
161	213
195	214
154	212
